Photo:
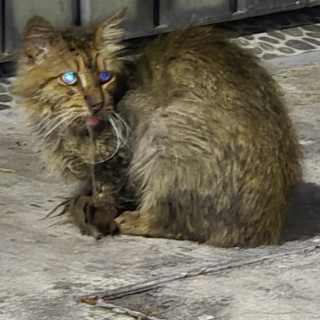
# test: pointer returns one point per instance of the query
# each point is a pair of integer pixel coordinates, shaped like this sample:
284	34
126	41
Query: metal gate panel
177	13
1	26
138	22
264	7
144	17
61	13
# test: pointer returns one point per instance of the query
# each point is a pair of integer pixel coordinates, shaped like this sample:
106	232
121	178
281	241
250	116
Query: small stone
295	32
312	27
276	34
269	56
268	39
243	42
2	89
4	106
300	45
266	46
313	41
5	98
313	34
286	50
254	51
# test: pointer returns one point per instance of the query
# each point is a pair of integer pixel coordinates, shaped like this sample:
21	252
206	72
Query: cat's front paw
129	223
138	223
90	219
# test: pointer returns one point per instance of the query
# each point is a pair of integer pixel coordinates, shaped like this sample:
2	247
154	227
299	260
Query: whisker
52	123
117	124
73	120
48	121
117	133
124	126
57	125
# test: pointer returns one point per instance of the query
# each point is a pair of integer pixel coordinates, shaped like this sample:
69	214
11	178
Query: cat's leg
167	216
159	202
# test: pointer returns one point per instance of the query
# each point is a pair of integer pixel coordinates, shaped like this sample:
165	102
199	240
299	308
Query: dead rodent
214	154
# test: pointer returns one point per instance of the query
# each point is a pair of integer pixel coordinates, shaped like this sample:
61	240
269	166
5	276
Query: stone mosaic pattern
5	97
285	42
279	34
7	70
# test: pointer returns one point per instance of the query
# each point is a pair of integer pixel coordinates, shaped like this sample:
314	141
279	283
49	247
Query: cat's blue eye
105	77
69	78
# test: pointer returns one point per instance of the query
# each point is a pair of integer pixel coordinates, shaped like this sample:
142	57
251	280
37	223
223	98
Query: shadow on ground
304	213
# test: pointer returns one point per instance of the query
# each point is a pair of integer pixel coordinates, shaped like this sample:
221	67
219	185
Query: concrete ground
46	269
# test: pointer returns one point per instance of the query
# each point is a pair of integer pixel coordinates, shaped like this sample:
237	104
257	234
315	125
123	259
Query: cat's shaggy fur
215	158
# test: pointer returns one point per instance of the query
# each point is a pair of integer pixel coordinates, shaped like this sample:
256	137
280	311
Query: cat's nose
95	106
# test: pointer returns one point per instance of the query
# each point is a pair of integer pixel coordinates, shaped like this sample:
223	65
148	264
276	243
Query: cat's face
70	82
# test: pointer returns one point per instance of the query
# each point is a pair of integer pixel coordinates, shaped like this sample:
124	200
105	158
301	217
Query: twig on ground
7	170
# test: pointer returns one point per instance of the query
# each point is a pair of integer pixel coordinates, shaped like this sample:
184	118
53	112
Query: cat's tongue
93	121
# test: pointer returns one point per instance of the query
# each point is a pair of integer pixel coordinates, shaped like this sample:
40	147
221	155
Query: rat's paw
91	220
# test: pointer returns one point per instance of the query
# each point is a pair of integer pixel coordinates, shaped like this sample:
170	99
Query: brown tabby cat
215	157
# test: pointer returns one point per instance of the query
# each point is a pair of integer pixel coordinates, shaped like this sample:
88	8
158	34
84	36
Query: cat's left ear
109	33
39	39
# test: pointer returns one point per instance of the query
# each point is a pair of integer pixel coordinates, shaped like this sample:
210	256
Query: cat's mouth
93	122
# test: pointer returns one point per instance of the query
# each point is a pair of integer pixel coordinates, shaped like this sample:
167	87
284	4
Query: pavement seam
102	299
206	270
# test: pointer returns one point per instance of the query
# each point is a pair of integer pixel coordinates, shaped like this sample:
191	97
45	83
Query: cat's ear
39	39
109	33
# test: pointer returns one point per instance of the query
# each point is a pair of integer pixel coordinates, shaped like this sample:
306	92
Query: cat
211	154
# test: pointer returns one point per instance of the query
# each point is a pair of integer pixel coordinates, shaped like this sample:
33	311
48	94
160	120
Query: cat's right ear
39	39
109	34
